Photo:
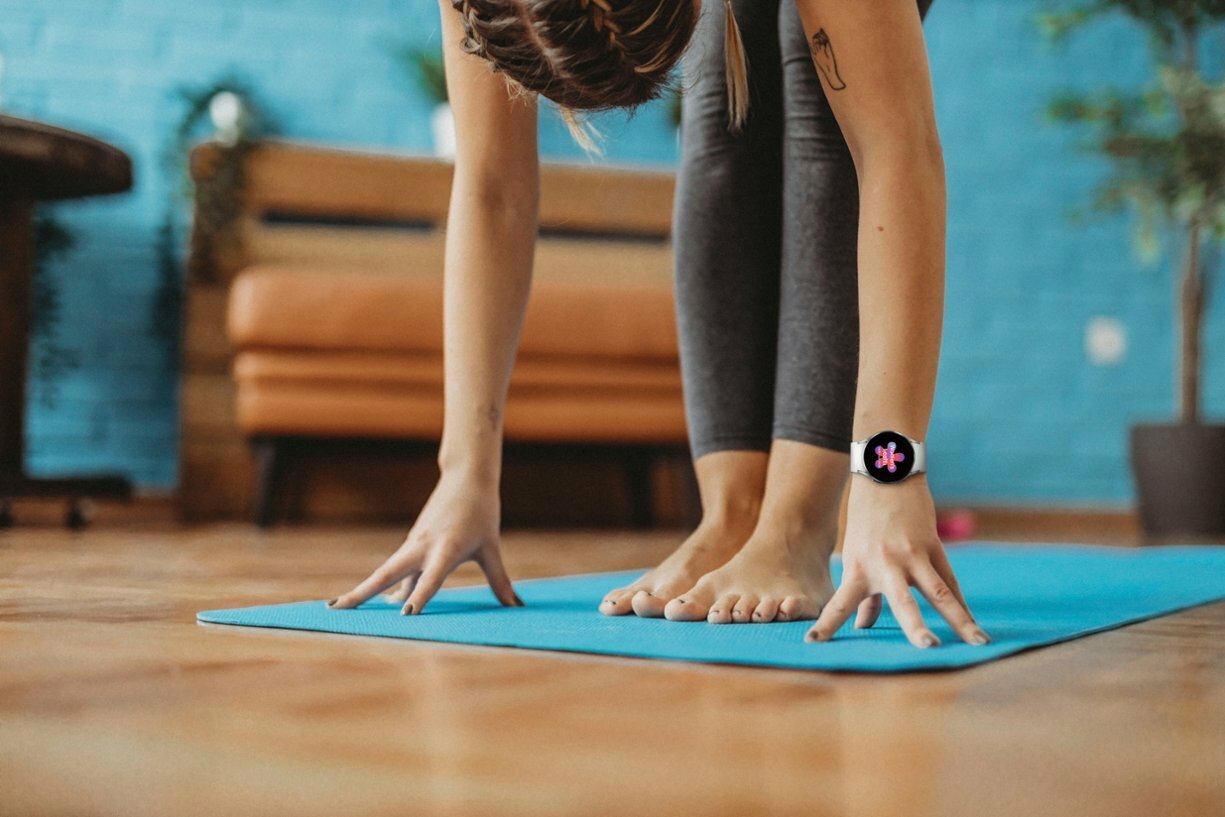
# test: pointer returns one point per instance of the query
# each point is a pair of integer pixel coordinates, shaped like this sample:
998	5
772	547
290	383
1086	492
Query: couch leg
642	497
270	472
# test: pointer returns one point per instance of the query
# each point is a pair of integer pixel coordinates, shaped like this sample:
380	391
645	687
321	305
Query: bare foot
708	547
773	578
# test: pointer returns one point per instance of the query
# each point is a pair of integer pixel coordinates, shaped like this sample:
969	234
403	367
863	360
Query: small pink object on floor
956	526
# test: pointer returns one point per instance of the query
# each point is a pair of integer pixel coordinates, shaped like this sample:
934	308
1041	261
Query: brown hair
590	55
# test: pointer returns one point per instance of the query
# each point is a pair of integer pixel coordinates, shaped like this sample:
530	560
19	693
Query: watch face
888	457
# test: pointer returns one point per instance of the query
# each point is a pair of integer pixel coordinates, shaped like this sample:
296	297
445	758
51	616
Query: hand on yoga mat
890	546
458	524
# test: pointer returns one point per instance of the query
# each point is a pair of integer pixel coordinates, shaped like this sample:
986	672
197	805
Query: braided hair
591	55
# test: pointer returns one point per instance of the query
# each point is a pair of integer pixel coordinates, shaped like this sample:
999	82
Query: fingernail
979	639
407	610
519	601
810	637
333	602
680	601
928	640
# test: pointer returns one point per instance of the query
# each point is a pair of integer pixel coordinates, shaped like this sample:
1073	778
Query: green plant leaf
425	67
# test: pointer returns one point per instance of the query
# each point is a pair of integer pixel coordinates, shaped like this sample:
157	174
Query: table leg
16	265
16	276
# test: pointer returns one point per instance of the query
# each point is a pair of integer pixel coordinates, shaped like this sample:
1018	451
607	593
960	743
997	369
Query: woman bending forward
809	235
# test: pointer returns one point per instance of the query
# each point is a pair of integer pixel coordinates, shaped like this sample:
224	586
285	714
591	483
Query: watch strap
857	447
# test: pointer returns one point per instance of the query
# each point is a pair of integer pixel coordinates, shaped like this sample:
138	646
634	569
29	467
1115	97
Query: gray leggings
766	231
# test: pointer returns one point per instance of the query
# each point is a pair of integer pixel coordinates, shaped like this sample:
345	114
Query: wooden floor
113	701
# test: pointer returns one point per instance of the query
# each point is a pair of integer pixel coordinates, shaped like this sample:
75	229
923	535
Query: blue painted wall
1021	415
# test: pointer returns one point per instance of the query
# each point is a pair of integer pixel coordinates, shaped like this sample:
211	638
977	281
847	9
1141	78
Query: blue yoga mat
1025	597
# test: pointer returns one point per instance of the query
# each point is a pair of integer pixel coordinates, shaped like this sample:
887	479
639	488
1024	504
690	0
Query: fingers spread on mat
403	564
941	596
837	610
869	611
490	562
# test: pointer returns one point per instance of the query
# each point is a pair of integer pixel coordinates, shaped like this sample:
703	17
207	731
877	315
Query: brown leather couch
344	354
336	334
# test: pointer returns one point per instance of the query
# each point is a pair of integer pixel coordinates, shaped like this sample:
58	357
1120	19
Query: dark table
41	163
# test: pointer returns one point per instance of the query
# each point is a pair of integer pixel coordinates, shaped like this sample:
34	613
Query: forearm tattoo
827	63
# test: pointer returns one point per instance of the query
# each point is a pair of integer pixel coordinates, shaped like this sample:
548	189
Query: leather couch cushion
281	306
355	354
425	371
378	395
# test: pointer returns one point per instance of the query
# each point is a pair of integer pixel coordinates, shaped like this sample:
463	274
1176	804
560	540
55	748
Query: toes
693	606
797	608
766	611
721	610
648	605
743	611
617	603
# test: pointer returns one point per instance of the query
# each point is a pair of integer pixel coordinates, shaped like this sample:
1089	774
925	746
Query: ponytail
737	69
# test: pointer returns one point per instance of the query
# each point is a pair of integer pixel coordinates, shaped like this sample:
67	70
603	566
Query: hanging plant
229	110
51	359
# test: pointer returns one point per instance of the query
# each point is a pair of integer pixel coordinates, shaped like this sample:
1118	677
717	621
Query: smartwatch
888	456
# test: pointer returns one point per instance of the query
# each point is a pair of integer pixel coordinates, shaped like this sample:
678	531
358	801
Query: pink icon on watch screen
888	457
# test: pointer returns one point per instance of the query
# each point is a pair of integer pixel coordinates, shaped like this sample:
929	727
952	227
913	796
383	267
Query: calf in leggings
810	222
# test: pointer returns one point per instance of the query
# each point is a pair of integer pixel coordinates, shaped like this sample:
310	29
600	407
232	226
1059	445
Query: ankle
731	518
797	529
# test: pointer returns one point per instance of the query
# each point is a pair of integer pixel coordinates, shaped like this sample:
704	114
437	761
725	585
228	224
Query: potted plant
426	68
1166	147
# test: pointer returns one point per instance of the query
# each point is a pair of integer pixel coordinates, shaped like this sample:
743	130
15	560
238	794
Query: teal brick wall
1021	416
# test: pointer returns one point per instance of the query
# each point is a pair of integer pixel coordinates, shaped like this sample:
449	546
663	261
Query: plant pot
1180	478
442	123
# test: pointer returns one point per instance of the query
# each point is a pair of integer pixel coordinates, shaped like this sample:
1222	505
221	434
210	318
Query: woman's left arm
873	66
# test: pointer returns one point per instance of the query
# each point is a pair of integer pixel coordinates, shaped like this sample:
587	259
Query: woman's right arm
490	245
